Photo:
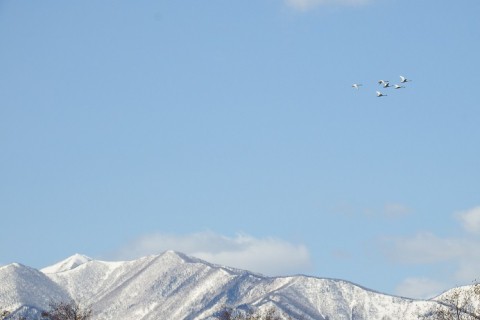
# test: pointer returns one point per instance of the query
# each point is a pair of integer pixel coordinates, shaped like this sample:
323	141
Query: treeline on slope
73	311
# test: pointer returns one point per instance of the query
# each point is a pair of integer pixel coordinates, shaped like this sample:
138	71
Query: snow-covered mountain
175	286
67	264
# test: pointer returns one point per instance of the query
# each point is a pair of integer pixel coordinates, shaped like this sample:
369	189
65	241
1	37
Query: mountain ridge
173	285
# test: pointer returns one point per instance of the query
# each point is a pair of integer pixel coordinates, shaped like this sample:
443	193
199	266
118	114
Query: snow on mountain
24	286
175	286
67	264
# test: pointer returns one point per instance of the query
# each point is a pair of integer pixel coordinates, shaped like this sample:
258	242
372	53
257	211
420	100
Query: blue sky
230	131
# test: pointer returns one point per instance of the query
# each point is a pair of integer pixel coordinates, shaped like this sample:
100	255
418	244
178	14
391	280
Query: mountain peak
176	255
68	264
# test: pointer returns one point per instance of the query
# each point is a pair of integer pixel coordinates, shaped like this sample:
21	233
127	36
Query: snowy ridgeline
175	286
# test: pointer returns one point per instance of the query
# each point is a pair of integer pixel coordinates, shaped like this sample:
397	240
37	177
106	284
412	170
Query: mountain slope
175	286
24	286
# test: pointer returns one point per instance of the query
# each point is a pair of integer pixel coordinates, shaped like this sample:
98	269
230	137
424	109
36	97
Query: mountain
67	264
22	287
176	286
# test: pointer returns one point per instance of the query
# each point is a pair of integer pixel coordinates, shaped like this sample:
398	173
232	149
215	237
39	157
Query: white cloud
460	254
270	256
426	248
420	288
470	219
305	5
468	268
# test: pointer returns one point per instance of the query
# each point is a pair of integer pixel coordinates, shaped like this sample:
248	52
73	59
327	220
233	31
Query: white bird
386	85
379	94
398	86
382	82
403	79
356	85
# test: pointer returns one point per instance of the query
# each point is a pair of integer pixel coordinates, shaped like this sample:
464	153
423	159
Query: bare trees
66	311
457	304
4	314
270	314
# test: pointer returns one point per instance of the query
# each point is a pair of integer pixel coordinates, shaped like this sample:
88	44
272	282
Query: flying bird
403	79
379	94
382	82
386	85
399	86
356	85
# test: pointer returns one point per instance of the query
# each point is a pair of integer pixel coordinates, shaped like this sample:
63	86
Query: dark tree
4	314
7	315
66	311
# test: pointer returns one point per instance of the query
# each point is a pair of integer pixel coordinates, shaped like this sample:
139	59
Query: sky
229	130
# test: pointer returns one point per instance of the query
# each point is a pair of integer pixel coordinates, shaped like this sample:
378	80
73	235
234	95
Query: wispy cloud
427	248
422	288
270	256
458	253
462	254
470	219
305	5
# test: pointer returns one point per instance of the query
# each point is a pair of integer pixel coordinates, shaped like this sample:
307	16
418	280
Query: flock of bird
385	84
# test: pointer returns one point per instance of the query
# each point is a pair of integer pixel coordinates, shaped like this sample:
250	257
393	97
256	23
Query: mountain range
175	286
